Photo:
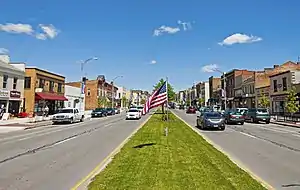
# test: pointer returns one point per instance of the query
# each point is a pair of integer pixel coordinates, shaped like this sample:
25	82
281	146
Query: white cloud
41	36
49	31
17	28
4	51
185	25
153	62
239	38
165	30
210	68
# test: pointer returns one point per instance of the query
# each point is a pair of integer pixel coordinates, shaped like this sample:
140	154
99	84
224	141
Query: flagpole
167	109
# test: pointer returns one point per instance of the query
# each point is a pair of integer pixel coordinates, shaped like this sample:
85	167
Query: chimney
4	58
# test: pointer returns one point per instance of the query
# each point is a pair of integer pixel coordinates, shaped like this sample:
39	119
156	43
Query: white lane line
273	129
65	140
296	135
249	135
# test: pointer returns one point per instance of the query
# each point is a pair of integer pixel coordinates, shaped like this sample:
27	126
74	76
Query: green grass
182	160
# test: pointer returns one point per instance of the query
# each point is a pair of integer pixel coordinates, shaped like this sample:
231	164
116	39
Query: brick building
97	92
214	90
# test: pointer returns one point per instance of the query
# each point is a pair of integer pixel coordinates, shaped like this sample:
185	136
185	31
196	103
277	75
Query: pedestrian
46	111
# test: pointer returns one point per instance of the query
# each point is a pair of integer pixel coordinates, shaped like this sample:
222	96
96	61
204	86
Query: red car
191	109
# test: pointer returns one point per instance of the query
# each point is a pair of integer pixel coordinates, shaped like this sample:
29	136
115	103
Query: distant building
75	98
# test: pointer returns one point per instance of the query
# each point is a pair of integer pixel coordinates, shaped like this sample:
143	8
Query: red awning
48	96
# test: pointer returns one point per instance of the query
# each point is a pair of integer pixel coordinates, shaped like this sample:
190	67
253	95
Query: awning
48	96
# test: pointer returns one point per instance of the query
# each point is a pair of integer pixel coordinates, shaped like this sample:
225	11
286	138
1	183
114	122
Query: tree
124	101
143	101
102	102
171	93
264	101
291	105
201	101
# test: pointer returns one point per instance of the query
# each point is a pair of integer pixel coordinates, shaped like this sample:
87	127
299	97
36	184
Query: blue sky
121	34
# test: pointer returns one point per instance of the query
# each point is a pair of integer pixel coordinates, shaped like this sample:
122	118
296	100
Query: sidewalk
288	124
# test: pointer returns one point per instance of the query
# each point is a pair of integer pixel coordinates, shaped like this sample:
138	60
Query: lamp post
112	89
82	64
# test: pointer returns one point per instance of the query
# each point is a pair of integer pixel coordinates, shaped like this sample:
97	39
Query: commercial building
214	91
98	92
76	99
43	88
11	85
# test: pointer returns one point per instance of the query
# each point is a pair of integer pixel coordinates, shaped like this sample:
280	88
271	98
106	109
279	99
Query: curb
285	124
102	165
37	125
235	161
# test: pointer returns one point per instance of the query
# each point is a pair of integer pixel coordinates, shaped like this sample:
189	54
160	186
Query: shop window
27	82
284	84
275	85
59	87
15	83
51	87
5	79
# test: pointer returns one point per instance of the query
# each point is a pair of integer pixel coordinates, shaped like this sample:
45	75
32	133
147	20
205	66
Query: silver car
212	120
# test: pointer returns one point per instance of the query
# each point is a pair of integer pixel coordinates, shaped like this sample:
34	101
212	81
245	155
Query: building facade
259	93
244	91
214	91
98	92
12	86
76	99
281	83
43	89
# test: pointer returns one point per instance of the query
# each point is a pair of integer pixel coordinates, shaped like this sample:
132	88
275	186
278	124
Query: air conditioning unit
38	90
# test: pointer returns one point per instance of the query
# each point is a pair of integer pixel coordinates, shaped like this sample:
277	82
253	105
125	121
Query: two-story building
214	90
245	91
98	92
43	89
12	86
281	83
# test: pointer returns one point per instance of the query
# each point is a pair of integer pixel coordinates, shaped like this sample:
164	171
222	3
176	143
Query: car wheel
54	123
71	120
242	123
222	128
267	122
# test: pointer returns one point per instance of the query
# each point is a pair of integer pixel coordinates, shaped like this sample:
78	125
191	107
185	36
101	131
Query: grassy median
182	160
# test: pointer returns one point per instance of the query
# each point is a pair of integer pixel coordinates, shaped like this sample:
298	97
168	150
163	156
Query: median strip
181	160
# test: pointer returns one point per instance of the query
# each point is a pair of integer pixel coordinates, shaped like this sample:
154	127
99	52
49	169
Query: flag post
167	108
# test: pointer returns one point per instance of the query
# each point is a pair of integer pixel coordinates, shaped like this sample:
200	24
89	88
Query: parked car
99	112
255	115
242	110
133	114
233	116
140	108
110	111
181	107
191	109
69	115
213	120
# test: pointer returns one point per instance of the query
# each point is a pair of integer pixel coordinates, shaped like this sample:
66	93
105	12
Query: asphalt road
270	151
58	156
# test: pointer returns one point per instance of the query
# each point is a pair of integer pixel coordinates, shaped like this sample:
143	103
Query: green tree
102	102
143	101
171	92
291	104
201	101
124	101
264	101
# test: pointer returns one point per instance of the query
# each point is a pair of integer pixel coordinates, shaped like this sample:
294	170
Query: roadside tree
292	105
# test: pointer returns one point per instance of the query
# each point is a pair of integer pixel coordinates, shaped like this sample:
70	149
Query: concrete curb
234	160
284	124
83	183
38	125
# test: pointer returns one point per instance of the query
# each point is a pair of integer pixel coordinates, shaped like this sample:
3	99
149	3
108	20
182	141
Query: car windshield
235	112
140	107
109	109
262	111
213	115
98	109
65	111
133	111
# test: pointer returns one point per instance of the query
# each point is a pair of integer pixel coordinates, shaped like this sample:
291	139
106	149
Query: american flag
159	97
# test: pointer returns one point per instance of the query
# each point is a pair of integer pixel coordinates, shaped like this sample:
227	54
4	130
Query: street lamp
82	64
112	89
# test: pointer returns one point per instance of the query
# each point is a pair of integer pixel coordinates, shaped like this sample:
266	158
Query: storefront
4	99
53	101
278	103
15	102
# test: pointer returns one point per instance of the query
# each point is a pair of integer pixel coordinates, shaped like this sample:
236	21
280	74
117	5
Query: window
15	82
59	87
27	82
42	83
275	85
51	87
5	79
284	84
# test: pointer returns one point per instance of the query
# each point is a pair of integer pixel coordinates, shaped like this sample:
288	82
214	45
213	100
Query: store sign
4	93
15	94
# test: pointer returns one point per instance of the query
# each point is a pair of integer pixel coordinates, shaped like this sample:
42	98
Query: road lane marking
234	160
107	159
66	140
248	135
